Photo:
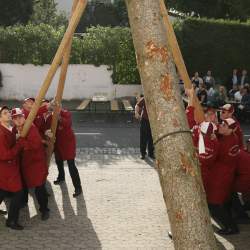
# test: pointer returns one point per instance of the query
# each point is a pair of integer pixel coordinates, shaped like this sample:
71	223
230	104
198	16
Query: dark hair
247	89
3	108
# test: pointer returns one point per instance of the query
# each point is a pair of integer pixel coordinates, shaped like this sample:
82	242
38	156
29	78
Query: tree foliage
45	11
226	9
104	14
15	11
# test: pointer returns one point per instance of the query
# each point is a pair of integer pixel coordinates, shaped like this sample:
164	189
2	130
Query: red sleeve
240	136
212	149
195	135
33	139
8	154
190	116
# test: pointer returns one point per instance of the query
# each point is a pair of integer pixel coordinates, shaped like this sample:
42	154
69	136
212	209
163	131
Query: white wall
127	90
83	81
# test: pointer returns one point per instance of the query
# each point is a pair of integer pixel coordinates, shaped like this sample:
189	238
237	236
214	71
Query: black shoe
14	225
2	212
228	231
59	181
143	157
78	191
45	215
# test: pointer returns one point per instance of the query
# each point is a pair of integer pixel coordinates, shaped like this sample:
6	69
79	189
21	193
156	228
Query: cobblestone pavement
121	208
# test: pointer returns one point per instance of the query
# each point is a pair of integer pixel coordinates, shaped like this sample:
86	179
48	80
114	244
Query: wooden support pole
179	62
60	90
55	64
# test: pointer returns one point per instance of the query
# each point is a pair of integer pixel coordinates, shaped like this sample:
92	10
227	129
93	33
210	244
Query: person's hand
48	133
190	92
241	107
53	105
18	135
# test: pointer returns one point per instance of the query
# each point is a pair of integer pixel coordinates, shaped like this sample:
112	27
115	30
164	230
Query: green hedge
206	44
214	44
37	44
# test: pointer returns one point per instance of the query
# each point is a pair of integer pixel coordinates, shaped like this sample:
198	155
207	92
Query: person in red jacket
223	176
227	111
34	167
39	120
10	177
65	149
207	145
242	181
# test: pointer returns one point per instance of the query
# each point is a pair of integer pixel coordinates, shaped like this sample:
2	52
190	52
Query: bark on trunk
177	164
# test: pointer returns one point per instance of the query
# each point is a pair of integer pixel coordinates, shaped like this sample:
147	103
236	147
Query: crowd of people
235	91
24	160
225	164
224	159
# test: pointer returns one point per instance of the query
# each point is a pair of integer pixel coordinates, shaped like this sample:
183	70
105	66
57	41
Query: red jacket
39	120
65	145
34	167
10	178
239	133
242	180
190	117
224	171
208	159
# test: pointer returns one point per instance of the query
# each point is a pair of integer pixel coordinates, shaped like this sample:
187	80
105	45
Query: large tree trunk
177	164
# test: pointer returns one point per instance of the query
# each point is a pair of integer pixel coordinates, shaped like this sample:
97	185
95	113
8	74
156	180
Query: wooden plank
114	105
127	105
83	105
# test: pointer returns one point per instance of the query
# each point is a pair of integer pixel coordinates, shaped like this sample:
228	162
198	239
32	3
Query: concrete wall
83	81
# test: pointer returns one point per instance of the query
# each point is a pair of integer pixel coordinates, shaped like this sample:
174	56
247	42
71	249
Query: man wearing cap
10	178
223	176
243	170
207	146
65	149
146	139
34	167
227	111
39	120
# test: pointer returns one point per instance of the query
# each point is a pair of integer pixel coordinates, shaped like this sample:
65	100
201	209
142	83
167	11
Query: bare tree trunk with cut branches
177	164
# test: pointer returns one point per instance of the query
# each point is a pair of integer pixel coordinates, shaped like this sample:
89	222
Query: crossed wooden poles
63	56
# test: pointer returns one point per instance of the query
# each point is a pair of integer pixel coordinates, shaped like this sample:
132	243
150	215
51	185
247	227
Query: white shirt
235	79
238	96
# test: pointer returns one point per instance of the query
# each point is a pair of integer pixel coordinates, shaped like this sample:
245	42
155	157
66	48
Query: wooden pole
55	64
177	164
60	90
179	61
